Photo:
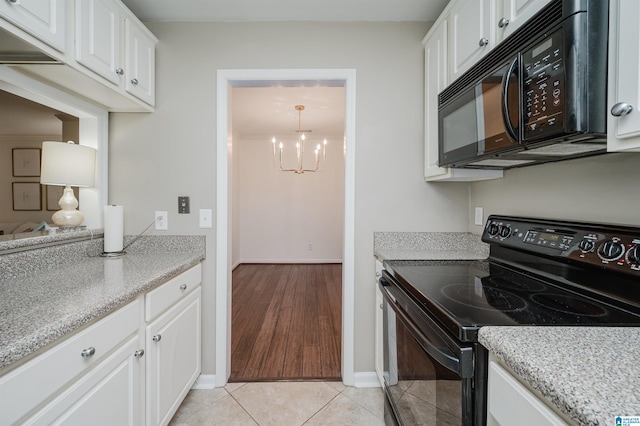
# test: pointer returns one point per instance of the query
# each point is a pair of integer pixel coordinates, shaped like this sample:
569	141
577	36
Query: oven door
428	375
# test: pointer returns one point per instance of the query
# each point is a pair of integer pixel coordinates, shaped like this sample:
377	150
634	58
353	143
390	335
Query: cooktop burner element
489	298
540	272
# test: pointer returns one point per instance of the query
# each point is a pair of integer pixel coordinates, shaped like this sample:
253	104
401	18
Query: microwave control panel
543	88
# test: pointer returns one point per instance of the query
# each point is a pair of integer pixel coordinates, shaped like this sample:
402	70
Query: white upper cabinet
98	37
515	13
44	19
116	47
623	122
110	55
140	58
435	80
471	33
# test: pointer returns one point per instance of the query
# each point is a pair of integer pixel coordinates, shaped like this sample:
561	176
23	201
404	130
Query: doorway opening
227	80
287	232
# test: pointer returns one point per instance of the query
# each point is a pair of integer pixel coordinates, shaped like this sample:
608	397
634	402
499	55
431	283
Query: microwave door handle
506	118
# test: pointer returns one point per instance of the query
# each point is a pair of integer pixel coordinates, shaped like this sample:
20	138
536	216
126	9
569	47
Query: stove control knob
493	229
587	246
505	231
633	255
611	250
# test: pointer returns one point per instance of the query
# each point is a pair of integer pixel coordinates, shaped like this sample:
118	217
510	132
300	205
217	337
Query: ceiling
286	10
271	110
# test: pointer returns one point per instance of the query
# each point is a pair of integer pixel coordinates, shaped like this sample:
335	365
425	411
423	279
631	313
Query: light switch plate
206	218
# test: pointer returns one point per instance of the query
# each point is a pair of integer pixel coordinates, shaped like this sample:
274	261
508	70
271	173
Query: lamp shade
67	164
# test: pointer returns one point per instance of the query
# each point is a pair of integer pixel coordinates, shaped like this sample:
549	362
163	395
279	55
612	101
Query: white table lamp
67	164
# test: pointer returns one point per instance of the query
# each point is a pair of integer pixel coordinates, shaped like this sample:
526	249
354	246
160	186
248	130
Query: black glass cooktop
465	295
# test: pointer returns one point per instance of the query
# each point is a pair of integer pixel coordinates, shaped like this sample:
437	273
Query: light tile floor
282	404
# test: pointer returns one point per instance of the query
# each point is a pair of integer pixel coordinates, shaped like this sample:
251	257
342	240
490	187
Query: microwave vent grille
537	25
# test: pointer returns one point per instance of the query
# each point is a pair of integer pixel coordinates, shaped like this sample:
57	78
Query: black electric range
539	272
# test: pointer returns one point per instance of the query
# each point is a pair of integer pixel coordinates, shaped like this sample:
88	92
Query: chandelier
299	167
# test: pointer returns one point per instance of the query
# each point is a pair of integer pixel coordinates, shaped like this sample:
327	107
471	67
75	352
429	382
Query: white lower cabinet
109	372
111	394
173	358
379	337
509	402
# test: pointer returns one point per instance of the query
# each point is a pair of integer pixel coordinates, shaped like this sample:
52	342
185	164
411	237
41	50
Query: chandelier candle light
299	169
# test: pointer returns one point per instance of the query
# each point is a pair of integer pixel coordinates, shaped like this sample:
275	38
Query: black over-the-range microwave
538	96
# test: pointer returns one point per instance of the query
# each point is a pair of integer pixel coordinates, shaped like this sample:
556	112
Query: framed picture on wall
26	162
53	195
27	196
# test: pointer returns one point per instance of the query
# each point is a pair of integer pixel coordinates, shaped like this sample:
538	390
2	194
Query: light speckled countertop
591	374
41	304
429	246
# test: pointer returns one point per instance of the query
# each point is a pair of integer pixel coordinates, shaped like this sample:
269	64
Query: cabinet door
471	34
379	337
173	363
44	19
435	69
515	13
624	69
98	37
111	394
140	63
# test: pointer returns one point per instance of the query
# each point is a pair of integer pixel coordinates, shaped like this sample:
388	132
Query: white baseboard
205	381
367	379
292	261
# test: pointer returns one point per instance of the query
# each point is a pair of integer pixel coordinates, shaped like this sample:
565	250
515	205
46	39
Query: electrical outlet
162	221
479	218
205	218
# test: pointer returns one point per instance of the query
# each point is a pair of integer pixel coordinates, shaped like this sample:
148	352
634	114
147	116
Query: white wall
281	213
595	189
156	157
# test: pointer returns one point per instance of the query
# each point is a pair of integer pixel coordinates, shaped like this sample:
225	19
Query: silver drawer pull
157	338
139	353
183	287
483	42
119	71
134	81
88	353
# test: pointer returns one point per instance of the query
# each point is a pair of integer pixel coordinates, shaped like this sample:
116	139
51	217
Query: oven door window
421	389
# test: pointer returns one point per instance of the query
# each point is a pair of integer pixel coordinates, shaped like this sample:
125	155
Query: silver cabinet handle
139	353
183	287
157	338
88	353
483	42
503	22
134	81
620	109
119	71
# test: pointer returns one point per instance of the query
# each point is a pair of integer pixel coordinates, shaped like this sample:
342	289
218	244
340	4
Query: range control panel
609	246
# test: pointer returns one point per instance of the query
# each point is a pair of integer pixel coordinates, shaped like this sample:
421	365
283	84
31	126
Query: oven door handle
445	359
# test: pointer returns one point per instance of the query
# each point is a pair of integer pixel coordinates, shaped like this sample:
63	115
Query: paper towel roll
113	228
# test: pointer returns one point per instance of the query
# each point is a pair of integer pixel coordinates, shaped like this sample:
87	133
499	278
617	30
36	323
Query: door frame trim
225	80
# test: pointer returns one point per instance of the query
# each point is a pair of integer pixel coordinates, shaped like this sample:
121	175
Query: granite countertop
429	246
591	374
42	305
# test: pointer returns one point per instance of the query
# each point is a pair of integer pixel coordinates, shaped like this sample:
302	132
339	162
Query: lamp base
68	216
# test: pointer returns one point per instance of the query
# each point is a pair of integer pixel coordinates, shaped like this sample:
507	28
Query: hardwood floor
286	322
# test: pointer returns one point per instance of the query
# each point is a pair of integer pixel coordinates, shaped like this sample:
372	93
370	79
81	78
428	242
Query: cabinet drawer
52	369
163	297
